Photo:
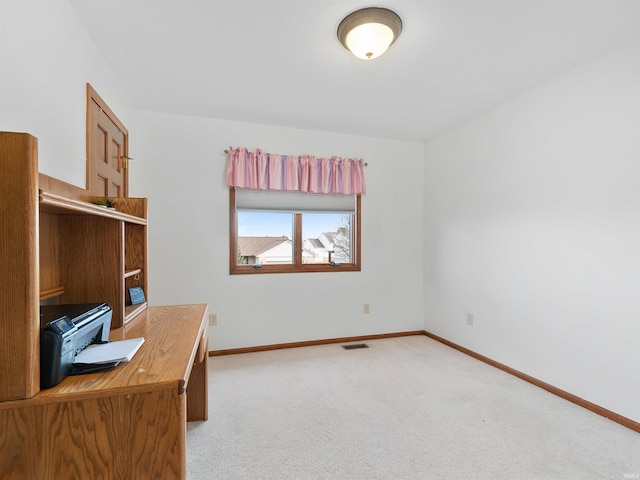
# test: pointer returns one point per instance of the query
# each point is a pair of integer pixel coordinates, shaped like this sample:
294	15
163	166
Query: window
275	232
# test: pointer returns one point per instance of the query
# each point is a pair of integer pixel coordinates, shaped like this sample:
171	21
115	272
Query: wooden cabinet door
107	149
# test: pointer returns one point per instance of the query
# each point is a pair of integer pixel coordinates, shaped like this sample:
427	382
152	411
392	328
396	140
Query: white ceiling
279	62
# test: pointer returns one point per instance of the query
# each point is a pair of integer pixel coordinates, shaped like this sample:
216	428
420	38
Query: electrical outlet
213	319
366	308
469	319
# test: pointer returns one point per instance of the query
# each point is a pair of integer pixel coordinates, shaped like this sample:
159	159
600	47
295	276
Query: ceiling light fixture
368	32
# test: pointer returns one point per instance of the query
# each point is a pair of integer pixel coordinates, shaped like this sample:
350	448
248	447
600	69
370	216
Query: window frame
297	266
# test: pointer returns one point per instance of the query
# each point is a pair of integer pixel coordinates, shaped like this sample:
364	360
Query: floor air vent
355	346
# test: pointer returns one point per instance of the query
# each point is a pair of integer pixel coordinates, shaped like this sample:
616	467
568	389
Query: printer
66	330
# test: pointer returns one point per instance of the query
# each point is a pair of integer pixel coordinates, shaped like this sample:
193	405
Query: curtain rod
365	163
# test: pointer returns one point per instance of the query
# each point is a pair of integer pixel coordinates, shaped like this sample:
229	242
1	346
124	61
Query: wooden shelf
57	245
52	203
51	292
71	228
132	311
132	273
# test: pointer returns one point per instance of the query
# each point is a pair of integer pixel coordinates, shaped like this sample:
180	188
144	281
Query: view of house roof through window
267	238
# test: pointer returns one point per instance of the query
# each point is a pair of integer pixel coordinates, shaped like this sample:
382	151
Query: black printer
66	330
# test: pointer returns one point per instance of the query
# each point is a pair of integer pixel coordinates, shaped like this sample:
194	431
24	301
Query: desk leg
198	392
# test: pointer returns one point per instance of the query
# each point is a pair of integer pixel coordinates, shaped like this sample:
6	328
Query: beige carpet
405	408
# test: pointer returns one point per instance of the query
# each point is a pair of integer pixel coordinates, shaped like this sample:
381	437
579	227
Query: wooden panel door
107	149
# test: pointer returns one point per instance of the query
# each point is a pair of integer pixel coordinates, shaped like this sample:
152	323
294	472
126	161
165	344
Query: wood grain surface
19	267
127	423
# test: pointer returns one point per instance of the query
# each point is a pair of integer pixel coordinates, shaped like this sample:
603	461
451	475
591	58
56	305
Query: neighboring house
331	246
327	239
328	247
269	251
320	250
264	250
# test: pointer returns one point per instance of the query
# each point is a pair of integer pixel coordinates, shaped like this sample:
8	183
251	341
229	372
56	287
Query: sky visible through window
266	224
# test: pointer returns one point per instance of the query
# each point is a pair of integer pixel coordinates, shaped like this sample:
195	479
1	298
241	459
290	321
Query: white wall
530	214
532	224
184	176
46	59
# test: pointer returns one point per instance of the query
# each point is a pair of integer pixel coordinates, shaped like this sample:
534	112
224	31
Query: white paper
120	351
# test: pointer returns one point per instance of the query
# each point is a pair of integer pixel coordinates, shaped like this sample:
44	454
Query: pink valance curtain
265	171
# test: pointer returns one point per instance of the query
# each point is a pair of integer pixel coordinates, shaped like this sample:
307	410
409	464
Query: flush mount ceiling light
368	32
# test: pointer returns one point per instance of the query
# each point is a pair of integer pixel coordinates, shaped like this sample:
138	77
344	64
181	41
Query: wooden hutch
58	247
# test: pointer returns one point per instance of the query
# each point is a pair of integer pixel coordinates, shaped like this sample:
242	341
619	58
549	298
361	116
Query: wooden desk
128	423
